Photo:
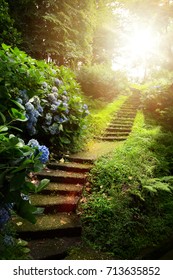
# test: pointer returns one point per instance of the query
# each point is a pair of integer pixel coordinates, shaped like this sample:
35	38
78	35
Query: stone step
49	226
128	110
60	176
78	159
117	129
120	125
55	203
70	166
116	134
52	248
125	115
112	138
63	189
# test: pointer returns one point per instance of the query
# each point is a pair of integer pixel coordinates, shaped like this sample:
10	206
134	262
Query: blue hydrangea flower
25	197
4	216
33	143
19	100
44	85
65	104
58	102
85	107
54	89
51	97
23	95
48	118
45	153
57	82
53	108
29	106
43	149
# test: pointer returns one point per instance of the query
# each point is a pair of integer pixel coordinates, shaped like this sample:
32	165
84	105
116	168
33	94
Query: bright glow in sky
137	49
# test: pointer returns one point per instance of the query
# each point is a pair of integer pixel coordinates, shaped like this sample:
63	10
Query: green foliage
61	30
158	99
8	33
130	205
99	81
48	96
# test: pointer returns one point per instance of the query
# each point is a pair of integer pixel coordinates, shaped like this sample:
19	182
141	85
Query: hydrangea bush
47	96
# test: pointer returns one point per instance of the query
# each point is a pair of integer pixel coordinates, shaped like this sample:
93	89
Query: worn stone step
78	159
116	134
55	203
61	176
125	115
112	138
49	226
71	166
118	129
122	123
52	248
118	124
63	189
128	109
123	118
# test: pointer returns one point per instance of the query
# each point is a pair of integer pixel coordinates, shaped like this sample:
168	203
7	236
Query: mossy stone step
52	248
61	176
71	166
49	226
63	189
55	203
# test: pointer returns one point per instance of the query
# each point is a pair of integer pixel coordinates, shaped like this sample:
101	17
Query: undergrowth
129	207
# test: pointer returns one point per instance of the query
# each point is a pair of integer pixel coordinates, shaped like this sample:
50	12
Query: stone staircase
122	122
58	227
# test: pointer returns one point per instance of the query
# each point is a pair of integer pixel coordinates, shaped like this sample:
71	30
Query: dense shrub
48	96
100	81
9	34
129	206
157	97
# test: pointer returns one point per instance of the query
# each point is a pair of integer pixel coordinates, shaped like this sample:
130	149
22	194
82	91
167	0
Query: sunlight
141	43
136	51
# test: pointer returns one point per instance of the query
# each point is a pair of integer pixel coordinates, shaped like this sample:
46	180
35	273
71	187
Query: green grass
130	206
99	119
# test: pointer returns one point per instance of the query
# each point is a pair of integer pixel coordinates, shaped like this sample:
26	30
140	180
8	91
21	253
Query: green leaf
3	117
3	128
18	105
17	181
18	116
42	185
26	210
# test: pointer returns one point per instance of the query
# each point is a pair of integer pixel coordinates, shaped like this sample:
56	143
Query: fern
157	184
